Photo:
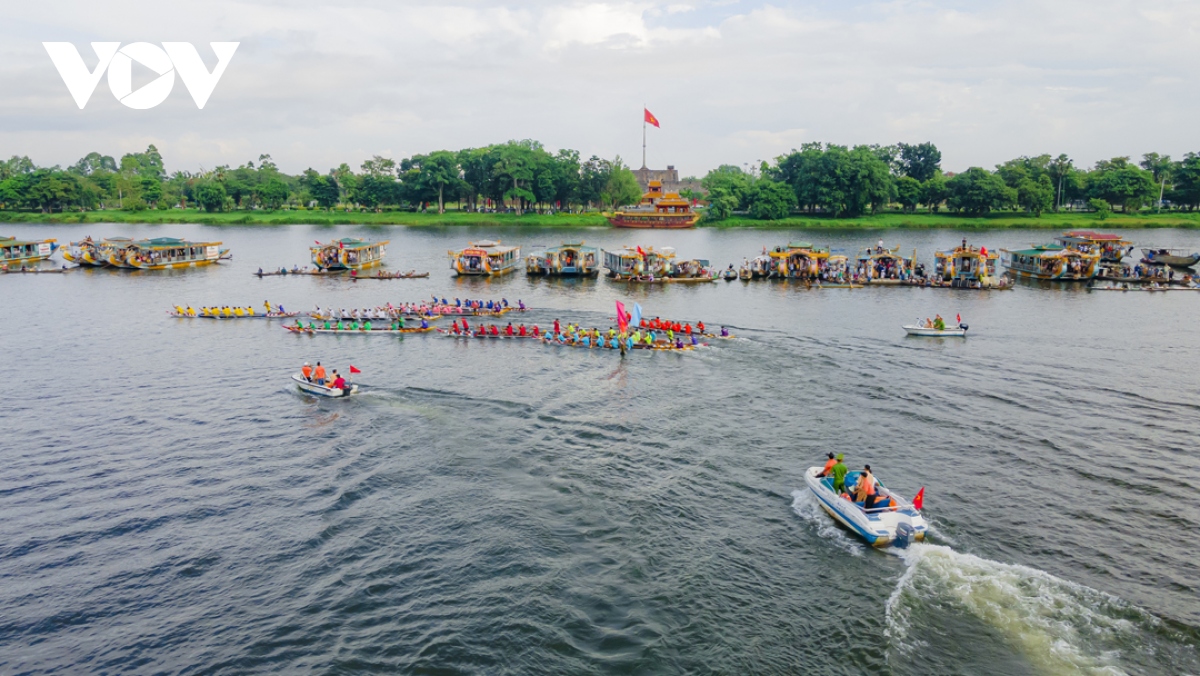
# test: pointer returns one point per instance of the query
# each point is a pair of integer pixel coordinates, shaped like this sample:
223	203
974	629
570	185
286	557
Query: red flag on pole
919	498
958	318
622	321
640	252
650	119
354	370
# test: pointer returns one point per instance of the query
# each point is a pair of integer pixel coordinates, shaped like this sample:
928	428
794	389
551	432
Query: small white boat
321	390
894	521
959	331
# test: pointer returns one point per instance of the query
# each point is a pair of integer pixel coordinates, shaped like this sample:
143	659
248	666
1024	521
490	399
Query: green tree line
840	181
519	175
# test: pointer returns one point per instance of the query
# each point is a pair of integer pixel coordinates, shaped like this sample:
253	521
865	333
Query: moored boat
566	260
968	267
20	252
1176	258
634	262
881	265
1051	262
959	331
87	252
348	253
1112	248
164	253
486	258
798	260
657	209
322	391
894	521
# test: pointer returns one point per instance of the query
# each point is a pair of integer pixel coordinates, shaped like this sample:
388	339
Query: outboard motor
904	535
964	327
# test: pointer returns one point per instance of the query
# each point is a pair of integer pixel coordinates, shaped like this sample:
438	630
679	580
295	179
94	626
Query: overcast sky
317	84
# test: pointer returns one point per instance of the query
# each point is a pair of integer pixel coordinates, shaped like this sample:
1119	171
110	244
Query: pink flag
622	320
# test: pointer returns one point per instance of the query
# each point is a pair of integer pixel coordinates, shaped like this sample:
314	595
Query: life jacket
307	371
869	485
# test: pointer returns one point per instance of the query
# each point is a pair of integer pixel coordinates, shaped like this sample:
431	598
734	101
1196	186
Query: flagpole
643	136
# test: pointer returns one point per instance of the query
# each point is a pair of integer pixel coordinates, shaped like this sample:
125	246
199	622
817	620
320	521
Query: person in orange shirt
307	372
828	466
319	374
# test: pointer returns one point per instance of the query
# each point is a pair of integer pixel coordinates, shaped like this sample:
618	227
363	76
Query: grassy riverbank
1061	221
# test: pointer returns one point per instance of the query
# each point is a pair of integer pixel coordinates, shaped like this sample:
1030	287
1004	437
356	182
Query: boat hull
878	529
1151	258
653	223
363	332
949	332
322	391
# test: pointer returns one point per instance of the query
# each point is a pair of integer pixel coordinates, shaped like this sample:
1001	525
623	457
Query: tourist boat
1053	262
634	262
657	210
164	253
968	267
959	331
348	253
897	523
1112	248
798	260
90	253
567	260
13	250
881	265
321	390
485	258
1176	258
758	267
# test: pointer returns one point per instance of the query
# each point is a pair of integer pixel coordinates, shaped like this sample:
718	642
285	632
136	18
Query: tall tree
1160	166
921	161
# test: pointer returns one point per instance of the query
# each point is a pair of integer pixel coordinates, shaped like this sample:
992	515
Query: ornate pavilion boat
13	250
882	265
657	210
348	253
968	267
485	258
1052	262
798	260
165	253
758	267
88	252
1112	248
568	260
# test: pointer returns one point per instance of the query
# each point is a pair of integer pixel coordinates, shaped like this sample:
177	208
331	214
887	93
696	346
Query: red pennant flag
919	498
958	318
354	370
650	119
640	252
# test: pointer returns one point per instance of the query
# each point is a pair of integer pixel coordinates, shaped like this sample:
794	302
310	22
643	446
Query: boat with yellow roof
657	209
485	258
348	253
21	251
165	253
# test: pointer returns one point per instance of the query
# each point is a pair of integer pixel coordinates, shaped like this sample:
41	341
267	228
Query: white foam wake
805	504
1059	626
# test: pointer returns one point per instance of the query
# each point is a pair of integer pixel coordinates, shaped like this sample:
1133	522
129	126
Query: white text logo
171	58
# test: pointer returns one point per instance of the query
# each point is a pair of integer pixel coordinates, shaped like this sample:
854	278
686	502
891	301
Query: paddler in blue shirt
424	324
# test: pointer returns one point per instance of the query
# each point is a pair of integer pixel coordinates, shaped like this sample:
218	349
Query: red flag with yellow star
650	119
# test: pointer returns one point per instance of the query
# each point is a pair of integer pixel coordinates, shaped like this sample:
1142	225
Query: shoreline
886	221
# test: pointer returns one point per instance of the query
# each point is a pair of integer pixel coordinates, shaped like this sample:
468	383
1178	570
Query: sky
316	84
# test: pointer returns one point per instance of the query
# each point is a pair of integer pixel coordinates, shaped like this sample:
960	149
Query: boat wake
805	504
1057	626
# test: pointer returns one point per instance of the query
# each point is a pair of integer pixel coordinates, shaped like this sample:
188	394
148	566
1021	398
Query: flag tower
647	118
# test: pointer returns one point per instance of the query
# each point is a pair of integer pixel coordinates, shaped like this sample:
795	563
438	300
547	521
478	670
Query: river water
171	504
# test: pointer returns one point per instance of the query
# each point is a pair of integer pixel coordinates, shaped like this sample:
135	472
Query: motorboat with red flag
891	522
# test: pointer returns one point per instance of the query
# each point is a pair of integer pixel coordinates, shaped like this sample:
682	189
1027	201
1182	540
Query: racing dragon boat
292	328
320	390
20	252
348	253
893	522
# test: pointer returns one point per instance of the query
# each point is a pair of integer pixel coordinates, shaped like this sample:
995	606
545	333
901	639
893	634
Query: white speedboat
893	521
321	390
959	331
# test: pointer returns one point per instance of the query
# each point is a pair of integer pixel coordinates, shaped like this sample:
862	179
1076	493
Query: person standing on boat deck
319	374
828	466
839	471
865	490
307	372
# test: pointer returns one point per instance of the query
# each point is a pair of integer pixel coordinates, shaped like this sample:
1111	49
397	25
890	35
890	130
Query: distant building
669	177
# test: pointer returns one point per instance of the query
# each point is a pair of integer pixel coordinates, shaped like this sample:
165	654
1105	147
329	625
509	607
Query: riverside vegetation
522	183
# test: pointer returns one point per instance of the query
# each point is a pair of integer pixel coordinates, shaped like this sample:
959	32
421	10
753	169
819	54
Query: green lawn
1062	221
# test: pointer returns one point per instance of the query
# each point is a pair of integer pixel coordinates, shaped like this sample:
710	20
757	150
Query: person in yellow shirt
239	312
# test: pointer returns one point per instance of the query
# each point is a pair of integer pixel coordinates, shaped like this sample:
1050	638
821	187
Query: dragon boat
657	209
13	250
87	252
211	315
1051	262
893	522
568	260
359	331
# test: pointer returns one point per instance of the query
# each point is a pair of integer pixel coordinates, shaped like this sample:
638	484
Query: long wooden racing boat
364	332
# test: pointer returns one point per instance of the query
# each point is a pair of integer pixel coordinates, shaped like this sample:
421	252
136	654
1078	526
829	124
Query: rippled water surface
172	505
